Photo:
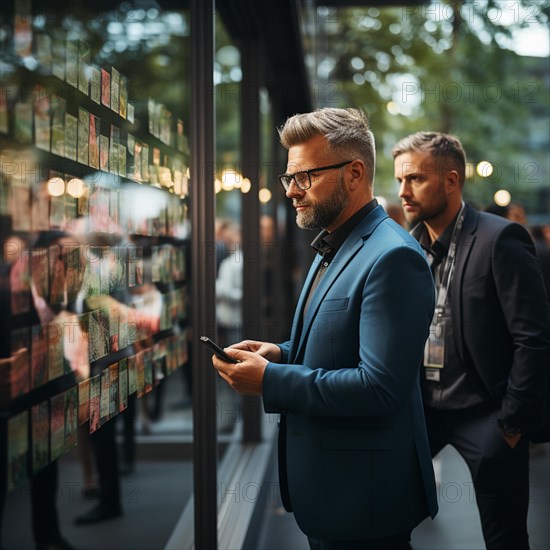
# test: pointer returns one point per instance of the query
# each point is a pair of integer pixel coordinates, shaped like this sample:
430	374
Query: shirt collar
438	250
327	244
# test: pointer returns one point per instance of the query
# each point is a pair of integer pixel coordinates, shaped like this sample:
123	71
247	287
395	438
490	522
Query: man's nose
403	190
294	191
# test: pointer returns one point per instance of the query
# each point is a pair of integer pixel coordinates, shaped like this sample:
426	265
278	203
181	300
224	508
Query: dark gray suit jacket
501	317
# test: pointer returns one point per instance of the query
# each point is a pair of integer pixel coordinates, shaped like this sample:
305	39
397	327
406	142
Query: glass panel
94	369
229	182
271	194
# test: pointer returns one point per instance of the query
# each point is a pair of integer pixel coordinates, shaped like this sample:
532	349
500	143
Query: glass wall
94	106
228	186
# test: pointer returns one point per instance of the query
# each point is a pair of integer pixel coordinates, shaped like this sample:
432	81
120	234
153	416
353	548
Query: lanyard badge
434	351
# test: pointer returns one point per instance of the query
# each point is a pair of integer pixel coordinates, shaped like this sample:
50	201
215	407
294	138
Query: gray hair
346	131
438	145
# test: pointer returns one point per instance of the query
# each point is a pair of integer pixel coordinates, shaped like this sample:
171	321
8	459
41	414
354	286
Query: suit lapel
299	312
465	248
349	249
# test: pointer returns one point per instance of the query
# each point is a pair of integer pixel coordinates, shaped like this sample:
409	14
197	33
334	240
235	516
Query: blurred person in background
395	212
497	210
225	234
229	288
542	245
516	213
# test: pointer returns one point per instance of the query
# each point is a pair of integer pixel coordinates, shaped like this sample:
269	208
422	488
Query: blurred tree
445	66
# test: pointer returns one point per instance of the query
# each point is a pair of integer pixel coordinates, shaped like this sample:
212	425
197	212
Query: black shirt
327	244
453	390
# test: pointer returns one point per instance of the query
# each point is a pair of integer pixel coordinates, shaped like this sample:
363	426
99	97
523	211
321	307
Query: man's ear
452	181
357	171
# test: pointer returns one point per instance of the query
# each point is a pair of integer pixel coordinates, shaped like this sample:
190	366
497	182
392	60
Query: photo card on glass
104	401
54	336
71	136
59	111
58	53
42	123
123	104
122	384
95	84
113	390
71	61
105	87
103	153
84	67
93	154
95	402
39	357
115	90
83	401
83	135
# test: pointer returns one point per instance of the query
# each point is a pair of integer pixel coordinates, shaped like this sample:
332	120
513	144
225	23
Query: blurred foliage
444	66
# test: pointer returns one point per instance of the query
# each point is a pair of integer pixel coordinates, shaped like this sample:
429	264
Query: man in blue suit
354	460
488	354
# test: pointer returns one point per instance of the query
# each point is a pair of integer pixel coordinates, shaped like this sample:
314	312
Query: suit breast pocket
334	304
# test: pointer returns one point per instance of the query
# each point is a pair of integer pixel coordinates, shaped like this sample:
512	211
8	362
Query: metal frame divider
252	247
202	202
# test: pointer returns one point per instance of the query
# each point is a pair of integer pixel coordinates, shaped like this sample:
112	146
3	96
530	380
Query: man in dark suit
488	353
354	462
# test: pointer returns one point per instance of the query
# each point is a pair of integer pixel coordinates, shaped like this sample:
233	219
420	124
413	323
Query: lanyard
448	268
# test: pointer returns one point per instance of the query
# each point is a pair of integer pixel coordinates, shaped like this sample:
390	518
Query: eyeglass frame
291	177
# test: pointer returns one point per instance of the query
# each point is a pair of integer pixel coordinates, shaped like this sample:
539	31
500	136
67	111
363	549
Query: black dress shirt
327	244
452	391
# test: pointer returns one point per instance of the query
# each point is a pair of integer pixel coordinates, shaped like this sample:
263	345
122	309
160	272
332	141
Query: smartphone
217	350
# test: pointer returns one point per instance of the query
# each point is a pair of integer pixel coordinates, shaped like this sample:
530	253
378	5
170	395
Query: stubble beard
425	214
325	212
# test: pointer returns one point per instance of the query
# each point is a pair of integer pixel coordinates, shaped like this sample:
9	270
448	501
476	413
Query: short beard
425	215
325	212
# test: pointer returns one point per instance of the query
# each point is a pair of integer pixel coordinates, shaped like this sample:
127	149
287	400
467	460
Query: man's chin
304	223
413	219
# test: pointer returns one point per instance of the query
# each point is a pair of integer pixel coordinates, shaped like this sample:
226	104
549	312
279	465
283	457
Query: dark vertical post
283	259
202	211
252	248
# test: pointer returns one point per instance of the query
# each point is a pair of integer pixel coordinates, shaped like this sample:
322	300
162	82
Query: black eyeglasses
303	179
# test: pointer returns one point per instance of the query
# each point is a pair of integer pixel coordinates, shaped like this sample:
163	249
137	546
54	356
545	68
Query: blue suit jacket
354	460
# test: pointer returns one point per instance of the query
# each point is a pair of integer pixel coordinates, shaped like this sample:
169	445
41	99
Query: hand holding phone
217	350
